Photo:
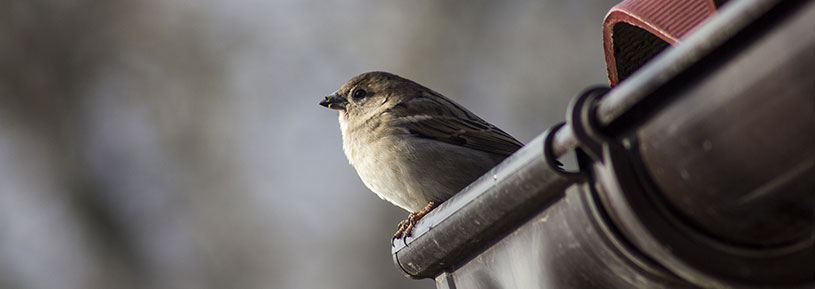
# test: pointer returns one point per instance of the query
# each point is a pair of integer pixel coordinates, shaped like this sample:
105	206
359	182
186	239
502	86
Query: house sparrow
412	146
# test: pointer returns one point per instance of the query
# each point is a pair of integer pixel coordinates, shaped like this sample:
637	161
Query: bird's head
370	93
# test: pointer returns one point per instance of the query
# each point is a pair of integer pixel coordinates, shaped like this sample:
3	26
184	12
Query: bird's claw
406	226
405	229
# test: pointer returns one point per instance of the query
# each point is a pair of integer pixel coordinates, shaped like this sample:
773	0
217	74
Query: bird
412	146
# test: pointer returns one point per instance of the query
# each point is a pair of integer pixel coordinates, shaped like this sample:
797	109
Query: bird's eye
359	93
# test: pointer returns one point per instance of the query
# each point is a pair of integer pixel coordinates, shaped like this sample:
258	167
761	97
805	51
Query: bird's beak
334	101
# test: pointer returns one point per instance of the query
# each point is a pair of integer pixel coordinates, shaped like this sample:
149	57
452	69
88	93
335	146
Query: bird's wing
471	133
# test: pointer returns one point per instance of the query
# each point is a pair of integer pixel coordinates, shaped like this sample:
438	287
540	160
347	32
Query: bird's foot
406	226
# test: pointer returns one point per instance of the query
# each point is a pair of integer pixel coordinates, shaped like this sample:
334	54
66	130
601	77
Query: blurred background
179	144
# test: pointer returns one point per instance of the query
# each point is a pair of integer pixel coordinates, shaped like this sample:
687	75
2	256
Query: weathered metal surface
704	177
569	245
728	160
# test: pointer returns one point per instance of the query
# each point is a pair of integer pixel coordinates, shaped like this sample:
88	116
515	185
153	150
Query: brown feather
454	126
